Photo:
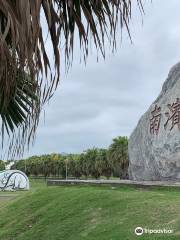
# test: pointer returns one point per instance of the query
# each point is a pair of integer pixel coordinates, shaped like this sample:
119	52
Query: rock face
154	145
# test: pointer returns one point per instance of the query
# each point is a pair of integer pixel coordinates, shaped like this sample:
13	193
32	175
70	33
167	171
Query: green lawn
88	212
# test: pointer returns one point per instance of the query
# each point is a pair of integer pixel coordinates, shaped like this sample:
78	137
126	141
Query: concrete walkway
114	182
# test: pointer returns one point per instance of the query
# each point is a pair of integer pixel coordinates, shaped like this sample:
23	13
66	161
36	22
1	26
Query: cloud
99	101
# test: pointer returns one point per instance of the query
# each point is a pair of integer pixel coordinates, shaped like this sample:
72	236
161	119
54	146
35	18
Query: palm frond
23	48
20	116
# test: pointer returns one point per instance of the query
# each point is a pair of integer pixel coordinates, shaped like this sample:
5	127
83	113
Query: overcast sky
105	99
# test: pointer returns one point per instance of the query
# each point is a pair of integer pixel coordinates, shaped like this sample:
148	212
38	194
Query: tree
78	166
118	156
27	77
62	167
2	165
90	162
102	164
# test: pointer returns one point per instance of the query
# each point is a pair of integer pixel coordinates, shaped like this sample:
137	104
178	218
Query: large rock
154	146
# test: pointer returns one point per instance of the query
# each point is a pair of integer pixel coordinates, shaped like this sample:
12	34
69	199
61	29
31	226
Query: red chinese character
155	120
174	115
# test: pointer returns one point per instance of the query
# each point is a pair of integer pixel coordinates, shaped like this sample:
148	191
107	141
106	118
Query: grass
88	212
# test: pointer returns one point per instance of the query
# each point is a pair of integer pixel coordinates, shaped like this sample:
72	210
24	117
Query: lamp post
66	161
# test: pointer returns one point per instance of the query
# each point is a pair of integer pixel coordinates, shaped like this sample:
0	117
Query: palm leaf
23	48
22	109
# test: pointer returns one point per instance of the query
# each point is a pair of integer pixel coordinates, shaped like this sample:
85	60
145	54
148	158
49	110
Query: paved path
114	182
